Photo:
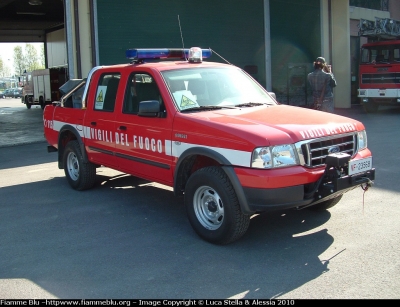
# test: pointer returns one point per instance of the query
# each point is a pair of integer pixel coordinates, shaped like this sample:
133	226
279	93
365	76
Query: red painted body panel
284	177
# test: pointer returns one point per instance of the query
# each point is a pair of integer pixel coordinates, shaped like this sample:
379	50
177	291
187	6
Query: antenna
183	44
220	56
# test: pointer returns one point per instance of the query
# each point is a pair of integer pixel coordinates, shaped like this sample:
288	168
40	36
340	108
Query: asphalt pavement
128	238
18	125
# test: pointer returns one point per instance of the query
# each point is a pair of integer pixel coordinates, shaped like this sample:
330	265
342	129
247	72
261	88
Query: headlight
362	140
274	156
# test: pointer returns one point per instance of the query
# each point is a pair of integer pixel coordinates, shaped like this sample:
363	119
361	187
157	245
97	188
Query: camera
328	68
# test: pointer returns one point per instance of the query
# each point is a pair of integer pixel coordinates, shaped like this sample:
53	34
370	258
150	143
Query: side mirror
149	108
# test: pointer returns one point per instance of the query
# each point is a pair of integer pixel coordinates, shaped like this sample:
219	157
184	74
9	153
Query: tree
31	58
42	58
19	61
4	69
1	68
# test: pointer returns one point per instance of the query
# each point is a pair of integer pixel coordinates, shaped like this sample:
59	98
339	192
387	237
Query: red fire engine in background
379	70
41	86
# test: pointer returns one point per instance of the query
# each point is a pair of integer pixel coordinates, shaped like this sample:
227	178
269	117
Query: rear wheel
326	204
213	208
80	175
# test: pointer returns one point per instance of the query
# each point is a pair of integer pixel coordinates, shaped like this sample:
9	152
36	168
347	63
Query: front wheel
213	208
322	206
28	105
80	175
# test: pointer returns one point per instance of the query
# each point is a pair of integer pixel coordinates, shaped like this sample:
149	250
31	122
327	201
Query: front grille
380	78
313	152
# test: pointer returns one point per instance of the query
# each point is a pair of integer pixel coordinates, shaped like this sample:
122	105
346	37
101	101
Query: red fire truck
379	70
209	131
41	86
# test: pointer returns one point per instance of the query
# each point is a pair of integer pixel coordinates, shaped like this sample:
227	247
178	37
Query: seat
176	85
198	88
111	94
147	91
380	58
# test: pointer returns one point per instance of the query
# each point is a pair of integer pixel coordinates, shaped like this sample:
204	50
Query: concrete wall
56	49
341	52
79	38
394	9
360	12
85	48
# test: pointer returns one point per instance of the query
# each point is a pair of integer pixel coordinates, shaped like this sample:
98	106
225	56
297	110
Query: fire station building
276	41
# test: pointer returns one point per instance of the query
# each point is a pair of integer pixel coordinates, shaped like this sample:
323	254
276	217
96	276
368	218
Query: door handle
122	127
93	123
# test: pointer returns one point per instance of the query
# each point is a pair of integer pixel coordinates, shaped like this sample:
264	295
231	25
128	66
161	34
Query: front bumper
332	183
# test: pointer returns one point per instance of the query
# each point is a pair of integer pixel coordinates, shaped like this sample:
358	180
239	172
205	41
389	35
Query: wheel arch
66	134
195	158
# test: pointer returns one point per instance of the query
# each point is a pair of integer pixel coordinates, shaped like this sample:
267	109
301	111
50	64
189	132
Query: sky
7	53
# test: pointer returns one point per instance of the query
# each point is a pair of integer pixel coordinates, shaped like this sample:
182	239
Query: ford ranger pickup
209	131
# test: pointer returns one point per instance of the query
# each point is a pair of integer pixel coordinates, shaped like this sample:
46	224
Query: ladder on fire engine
381	28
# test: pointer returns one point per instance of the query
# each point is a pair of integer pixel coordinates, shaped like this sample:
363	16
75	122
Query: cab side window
140	87
396	54
106	92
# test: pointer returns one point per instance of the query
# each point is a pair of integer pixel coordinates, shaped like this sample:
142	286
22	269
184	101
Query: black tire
28	105
213	208
326	204
370	107
41	102
80	175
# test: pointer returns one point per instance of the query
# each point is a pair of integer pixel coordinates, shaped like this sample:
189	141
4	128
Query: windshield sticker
101	93
185	99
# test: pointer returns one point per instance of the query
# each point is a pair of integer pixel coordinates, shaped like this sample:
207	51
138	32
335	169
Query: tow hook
365	188
367	185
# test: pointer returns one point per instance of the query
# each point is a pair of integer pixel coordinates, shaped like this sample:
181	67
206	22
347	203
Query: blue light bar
165	53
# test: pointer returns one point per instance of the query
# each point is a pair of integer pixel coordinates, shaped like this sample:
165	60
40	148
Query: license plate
359	166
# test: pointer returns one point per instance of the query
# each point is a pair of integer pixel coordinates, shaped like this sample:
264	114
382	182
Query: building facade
275	41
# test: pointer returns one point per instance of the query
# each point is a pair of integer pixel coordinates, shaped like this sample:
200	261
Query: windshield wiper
249	104
205	108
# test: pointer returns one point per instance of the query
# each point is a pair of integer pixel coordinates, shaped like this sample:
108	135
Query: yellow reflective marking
100	97
187	102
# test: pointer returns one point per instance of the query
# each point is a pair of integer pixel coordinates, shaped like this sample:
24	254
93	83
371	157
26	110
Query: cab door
144	142
100	119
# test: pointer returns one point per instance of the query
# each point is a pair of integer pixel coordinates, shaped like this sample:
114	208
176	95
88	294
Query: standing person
322	82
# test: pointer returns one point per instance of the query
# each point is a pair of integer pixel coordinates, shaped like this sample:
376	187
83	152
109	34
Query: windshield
214	88
380	54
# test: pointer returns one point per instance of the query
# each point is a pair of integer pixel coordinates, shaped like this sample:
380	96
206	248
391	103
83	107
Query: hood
277	124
